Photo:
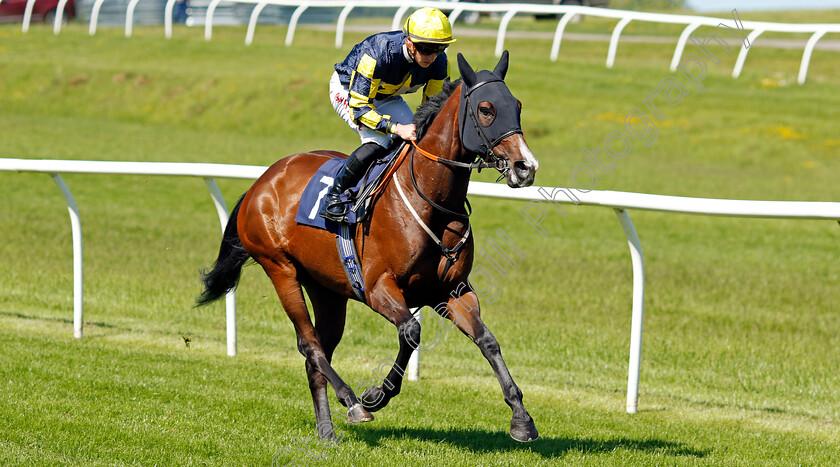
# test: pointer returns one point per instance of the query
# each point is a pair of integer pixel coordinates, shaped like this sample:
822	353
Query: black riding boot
353	169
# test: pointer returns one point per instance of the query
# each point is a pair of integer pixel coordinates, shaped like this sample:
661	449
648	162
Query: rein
477	164
390	173
423	195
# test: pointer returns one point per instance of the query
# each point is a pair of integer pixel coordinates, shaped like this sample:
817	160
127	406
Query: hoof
326	431
523	431
358	414
374	398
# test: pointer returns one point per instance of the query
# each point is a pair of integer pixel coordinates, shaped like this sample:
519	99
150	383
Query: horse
414	245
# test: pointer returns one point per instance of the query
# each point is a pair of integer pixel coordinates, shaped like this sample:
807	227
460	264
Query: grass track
741	331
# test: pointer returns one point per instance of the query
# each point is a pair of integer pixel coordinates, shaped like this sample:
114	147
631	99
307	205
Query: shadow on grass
482	441
104	325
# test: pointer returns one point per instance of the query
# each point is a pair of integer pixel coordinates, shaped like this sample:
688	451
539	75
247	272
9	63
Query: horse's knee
312	352
302	346
488	344
410	331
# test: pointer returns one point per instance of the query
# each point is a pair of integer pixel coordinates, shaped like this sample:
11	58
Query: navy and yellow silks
380	67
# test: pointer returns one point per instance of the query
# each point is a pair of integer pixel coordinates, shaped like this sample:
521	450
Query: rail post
230	298
638	310
78	267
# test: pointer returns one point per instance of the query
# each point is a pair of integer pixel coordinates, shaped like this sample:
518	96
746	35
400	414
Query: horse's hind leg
330	310
465	313
291	296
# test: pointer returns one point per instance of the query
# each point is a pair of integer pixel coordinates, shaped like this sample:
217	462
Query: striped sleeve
363	88
435	84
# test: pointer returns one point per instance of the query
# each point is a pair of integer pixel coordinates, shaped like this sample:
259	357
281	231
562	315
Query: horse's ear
467	73
502	66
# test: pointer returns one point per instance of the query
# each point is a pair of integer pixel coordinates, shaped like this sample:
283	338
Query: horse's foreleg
464	311
291	296
387	299
330	311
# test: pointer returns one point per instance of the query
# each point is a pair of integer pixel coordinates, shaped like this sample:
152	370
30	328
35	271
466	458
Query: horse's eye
487	113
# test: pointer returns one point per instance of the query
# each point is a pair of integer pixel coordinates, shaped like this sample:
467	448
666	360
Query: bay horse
474	122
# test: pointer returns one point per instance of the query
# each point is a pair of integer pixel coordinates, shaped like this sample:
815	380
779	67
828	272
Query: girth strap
350	261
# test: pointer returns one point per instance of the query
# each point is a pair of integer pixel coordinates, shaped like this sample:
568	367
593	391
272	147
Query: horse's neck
443	184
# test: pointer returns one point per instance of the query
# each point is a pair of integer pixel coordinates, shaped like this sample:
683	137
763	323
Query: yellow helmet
428	25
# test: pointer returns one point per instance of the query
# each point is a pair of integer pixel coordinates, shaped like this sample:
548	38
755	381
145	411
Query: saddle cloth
316	190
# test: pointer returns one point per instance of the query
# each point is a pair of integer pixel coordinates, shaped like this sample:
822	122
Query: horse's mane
428	110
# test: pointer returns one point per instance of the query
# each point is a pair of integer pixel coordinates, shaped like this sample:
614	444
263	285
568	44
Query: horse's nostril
521	167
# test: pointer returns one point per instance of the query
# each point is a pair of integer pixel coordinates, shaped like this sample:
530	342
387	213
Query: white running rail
510	10
617	200
206	171
507	10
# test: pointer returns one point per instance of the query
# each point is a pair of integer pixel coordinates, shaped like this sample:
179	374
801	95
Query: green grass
739	358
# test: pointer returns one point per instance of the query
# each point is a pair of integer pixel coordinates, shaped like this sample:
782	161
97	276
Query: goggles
429	49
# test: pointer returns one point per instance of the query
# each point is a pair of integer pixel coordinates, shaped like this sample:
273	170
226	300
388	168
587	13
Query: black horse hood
486	86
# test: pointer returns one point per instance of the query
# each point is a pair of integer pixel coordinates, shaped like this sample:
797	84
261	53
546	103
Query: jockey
365	91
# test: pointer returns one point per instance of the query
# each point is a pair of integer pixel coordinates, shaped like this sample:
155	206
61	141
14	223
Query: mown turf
741	330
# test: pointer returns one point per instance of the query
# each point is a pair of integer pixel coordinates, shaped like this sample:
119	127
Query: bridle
483	154
486	150
487	145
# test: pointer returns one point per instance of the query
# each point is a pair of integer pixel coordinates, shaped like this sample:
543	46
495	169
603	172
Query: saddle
359	198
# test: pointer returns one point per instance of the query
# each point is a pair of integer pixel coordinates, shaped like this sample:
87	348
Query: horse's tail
225	273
